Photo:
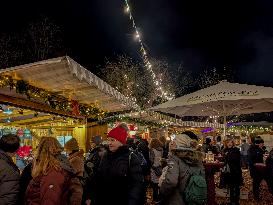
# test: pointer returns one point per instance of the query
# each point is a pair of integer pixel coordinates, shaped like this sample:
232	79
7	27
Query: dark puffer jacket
56	188
119	180
25	180
181	164
91	167
255	155
232	158
9	180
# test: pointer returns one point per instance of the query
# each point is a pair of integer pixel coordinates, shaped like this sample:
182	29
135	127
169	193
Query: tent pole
225	119
225	126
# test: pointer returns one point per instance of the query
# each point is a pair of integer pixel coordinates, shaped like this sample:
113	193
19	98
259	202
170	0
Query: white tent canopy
223	99
69	79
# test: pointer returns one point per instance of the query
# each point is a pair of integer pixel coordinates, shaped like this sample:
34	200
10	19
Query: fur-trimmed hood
76	154
65	164
189	156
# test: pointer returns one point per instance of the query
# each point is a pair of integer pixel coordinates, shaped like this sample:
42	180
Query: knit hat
118	133
72	145
183	141
258	140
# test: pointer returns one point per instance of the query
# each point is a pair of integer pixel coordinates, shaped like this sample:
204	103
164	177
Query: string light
157	82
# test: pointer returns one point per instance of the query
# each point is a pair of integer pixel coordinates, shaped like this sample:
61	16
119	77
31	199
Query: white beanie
183	141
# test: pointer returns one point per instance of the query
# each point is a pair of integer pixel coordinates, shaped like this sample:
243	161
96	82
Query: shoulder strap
130	157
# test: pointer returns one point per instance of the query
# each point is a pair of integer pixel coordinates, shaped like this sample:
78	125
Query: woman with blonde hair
54	181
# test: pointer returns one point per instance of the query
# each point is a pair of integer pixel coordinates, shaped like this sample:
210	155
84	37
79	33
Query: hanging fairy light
145	58
137	35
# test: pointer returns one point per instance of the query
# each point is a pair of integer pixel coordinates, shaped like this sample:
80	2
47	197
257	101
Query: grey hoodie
181	164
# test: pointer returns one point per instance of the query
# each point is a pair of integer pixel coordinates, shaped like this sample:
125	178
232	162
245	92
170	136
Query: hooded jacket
9	180
181	164
77	162
155	157
56	188
119	179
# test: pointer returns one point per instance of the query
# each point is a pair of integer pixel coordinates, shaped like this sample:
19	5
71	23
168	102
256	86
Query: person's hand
88	202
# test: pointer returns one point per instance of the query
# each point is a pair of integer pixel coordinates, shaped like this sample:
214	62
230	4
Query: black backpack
143	162
91	166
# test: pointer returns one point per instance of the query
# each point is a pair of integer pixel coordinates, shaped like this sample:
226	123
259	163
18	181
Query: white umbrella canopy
223	99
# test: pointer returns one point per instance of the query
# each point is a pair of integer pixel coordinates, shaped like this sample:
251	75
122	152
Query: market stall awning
69	79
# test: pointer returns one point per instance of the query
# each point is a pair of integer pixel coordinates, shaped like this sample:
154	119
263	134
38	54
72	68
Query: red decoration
75	107
131	127
20	133
24	151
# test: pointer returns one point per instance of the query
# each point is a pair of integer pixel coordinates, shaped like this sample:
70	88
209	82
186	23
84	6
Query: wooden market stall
58	88
151	124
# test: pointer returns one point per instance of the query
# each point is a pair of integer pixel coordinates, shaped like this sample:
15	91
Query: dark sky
236	34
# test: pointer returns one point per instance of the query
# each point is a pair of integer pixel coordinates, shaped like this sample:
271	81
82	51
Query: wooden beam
28	104
30	120
16	114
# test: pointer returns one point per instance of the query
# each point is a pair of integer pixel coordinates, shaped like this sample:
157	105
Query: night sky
226	34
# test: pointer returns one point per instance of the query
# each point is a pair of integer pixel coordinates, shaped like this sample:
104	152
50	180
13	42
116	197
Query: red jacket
56	188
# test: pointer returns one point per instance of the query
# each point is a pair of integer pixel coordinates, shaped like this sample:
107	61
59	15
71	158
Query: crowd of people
120	170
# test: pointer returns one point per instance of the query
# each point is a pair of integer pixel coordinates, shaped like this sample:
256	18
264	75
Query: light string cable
147	63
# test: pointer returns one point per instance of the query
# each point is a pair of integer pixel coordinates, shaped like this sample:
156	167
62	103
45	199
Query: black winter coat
269	171
119	181
232	158
91	167
9	180
25	180
255	155
144	149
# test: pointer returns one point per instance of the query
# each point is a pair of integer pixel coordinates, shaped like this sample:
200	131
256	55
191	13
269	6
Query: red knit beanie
118	133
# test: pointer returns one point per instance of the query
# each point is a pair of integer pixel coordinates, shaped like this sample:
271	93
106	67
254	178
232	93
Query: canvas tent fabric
69	79
223	99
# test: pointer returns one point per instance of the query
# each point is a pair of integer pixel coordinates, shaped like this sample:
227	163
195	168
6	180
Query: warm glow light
157	82
127	9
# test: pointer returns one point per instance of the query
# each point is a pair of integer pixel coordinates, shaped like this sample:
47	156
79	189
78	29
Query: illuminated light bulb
127	9
137	34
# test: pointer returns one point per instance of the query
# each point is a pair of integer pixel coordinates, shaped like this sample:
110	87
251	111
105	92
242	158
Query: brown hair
162	139
9	143
155	143
45	157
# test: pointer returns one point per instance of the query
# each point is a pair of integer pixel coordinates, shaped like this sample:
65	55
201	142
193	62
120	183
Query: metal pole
225	126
